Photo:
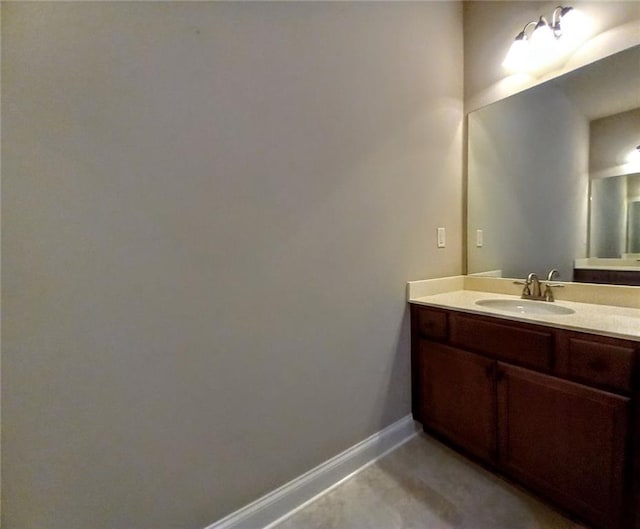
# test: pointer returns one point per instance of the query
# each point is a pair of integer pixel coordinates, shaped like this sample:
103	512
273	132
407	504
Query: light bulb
571	28
518	55
634	156
542	42
572	24
542	37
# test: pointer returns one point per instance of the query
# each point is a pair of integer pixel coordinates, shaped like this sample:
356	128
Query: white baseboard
285	500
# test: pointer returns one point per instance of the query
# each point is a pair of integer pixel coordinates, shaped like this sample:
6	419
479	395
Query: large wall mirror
550	177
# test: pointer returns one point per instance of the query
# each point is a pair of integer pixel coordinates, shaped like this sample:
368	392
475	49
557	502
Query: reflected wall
528	184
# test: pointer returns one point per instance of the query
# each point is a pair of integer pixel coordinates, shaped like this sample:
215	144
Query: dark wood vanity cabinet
565	440
552	409
458	397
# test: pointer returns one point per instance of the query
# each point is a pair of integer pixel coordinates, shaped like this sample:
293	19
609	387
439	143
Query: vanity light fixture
537	41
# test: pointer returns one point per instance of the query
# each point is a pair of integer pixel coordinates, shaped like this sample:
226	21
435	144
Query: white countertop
608	320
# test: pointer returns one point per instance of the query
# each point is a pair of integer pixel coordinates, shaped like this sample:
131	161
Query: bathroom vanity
551	406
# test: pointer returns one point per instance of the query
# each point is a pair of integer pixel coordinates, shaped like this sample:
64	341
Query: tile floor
425	485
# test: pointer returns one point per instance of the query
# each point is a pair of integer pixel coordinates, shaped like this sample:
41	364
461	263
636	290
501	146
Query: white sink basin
525	306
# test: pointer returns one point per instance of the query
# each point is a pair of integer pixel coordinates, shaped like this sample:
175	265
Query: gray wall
528	184
210	211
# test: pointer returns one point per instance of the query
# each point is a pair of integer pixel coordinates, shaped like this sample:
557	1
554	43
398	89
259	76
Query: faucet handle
548	293
526	291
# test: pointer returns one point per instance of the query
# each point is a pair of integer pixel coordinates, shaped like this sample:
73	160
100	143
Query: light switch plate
441	238
479	239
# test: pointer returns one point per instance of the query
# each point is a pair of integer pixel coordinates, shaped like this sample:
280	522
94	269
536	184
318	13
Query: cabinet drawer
509	342
432	324
601	363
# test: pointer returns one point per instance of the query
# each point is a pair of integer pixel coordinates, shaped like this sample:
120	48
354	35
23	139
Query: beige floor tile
425	485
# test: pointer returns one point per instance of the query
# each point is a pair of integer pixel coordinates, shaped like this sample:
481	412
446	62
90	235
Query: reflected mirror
536	158
614	231
614	163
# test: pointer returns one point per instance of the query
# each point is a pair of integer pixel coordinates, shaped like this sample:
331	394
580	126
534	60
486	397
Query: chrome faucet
533	288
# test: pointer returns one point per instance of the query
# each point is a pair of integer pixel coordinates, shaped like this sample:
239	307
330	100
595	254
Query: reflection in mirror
614	181
615	218
633	223
529	168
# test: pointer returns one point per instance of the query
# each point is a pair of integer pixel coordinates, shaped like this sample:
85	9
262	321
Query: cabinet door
565	440
458	398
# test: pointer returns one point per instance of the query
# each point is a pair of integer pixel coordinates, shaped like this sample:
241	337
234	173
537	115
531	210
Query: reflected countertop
617	265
